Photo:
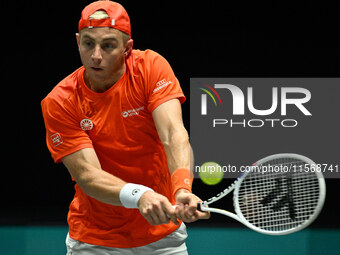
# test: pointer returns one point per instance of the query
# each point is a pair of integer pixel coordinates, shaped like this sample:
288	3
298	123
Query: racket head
280	203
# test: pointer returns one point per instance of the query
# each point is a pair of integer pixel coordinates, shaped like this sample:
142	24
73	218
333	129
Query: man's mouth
97	69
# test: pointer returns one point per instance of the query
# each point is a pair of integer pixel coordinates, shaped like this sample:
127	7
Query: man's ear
128	47
78	39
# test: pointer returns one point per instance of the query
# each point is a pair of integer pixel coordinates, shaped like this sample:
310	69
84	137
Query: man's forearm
178	150
102	186
85	168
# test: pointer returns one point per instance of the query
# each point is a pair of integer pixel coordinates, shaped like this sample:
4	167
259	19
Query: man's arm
85	168
175	139
171	131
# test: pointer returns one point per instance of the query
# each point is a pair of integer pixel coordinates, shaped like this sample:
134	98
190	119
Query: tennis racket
277	195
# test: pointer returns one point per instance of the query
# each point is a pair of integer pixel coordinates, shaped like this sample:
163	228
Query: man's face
102	52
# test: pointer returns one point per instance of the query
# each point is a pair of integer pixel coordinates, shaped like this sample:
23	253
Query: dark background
199	39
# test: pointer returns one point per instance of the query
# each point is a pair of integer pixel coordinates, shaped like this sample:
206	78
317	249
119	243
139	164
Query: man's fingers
171	213
180	212
192	207
161	211
156	217
202	215
157	209
183	213
187	210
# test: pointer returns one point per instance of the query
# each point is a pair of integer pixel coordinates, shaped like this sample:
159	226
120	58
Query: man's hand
156	208
186	209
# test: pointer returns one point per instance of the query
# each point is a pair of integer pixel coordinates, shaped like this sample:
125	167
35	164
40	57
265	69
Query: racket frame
203	206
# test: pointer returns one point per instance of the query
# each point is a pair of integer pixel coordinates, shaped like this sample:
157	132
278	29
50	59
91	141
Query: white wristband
131	193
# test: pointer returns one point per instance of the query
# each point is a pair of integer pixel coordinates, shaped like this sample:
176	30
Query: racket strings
278	201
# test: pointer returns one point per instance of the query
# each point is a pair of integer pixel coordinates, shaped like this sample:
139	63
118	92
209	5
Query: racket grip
199	206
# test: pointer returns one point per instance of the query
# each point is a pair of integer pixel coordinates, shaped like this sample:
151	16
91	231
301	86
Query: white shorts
173	244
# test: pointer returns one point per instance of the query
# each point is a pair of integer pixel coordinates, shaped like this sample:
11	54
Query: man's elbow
176	137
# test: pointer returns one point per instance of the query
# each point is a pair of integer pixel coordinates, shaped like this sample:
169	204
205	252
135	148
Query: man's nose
97	55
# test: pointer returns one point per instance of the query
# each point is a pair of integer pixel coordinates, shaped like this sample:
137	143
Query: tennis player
116	125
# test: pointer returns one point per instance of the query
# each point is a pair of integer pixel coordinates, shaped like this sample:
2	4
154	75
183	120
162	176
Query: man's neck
102	86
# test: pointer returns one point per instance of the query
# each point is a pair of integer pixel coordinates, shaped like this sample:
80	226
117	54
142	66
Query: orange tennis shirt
118	125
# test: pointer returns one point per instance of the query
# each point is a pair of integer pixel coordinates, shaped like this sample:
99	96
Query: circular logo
125	114
135	191
187	182
86	124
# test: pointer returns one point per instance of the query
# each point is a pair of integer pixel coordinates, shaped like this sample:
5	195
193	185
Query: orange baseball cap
119	18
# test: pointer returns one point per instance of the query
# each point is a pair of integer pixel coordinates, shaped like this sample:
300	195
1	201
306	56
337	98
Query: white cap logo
86	124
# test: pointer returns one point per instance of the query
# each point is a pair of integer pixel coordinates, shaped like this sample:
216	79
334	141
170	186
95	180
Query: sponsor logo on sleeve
161	84
56	139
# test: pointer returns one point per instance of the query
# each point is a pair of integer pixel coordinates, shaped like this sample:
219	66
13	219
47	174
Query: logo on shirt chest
132	112
86	124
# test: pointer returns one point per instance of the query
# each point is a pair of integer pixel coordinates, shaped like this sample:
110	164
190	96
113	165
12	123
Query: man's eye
88	43
108	46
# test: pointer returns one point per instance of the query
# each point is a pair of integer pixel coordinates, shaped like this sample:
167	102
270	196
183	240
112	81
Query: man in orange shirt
116	125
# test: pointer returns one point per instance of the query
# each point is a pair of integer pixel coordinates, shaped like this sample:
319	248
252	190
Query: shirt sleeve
162	83
63	133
